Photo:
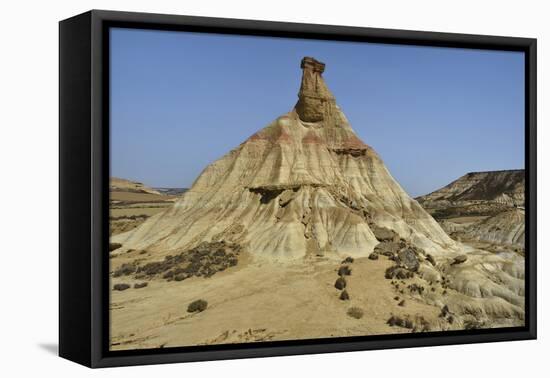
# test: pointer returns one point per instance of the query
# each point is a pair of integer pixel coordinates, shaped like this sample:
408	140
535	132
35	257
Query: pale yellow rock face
295	188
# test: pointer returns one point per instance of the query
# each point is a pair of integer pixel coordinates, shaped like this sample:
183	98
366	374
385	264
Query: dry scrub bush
340	283
355	312
121	287
197	306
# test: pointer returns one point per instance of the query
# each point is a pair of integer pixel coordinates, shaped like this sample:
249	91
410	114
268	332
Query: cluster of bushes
398	321
419	324
125	270
397	286
124	286
397	272
415	288
204	260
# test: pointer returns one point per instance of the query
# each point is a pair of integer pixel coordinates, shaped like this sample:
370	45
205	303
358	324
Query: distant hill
482	206
131	203
478	193
123	185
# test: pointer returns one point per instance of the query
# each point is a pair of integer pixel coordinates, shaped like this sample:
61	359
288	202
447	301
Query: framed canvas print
233	188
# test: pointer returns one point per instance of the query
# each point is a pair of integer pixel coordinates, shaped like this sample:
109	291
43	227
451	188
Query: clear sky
180	100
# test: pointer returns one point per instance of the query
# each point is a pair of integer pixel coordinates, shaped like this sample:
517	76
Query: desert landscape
301	232
131	203
484	209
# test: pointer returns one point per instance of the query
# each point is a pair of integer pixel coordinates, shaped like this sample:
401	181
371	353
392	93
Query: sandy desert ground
261	302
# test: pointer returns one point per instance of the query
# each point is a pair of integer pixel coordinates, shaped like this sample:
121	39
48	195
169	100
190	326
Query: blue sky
180	100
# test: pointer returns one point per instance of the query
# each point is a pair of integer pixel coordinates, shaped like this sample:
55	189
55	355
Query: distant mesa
123	185
506	187
482	206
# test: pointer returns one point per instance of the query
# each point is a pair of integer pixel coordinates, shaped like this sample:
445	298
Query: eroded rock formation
303	185
315	99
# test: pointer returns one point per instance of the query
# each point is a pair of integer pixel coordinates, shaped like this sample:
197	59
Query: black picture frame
84	196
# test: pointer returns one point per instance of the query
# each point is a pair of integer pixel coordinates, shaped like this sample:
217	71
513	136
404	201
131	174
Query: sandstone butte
305	185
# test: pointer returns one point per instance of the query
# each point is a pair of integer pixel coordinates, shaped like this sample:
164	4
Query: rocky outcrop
305	185
315	100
